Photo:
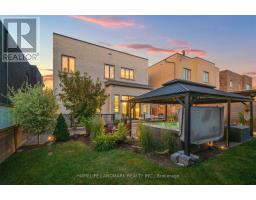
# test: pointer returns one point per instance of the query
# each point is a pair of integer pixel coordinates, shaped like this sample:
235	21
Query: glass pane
145	108
112	72
131	74
106	71
125	98
71	64
124	108
116	104
122	73
64	64
188	71
127	75
137	110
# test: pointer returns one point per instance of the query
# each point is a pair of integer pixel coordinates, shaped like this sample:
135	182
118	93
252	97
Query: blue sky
228	41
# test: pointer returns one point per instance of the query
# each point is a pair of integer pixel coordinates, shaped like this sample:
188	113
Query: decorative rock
181	159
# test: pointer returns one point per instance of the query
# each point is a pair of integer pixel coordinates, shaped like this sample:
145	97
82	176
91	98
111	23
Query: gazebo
187	94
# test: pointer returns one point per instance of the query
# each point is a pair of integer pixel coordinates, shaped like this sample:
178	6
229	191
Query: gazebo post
165	112
228	124
251	118
130	118
187	125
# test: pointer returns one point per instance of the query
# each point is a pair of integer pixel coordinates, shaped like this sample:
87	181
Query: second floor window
247	86
127	73
206	77
231	83
109	71
67	64
186	74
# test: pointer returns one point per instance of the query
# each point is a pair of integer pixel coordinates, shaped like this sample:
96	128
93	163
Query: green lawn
74	163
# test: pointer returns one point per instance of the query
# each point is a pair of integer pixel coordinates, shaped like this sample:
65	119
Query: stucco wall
172	68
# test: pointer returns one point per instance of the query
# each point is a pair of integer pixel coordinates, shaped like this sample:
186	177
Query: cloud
196	52
178	43
153	50
147	47
108	22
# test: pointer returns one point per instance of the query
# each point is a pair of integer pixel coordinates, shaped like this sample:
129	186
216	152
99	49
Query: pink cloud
153	50
178	43
108	22
196	52
149	48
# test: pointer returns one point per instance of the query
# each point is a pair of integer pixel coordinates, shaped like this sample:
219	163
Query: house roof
99	46
183	56
126	84
179	88
251	93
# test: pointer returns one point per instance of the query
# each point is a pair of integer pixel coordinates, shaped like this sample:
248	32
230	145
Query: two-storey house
181	66
124	75
231	81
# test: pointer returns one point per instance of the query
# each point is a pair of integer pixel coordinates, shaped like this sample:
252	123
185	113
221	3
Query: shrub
105	142
94	126
145	138
61	132
169	142
121	132
35	109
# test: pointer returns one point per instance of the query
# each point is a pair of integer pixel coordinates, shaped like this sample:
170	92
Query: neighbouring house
15	74
231	81
124	75
181	66
48	81
254	82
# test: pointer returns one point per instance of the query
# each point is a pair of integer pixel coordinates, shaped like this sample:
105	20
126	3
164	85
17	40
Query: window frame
109	66
248	86
68	57
129	70
117	95
188	70
208	76
231	83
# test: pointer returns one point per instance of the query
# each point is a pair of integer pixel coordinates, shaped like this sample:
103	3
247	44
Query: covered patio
188	94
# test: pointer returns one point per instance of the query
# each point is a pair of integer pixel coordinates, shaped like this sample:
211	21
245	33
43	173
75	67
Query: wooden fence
11	139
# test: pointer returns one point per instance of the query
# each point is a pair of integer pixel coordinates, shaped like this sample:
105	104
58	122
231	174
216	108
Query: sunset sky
228	41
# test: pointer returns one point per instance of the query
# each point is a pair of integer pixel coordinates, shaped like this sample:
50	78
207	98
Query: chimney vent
183	52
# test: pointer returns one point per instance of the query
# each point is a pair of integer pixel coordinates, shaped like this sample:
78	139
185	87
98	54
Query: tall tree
81	95
34	109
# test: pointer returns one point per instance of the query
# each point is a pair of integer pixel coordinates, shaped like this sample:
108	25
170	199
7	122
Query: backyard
74	162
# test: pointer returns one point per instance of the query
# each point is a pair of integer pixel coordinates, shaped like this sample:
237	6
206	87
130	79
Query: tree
61	132
81	95
35	109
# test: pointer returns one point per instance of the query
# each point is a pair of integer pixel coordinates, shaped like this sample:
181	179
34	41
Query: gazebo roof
174	89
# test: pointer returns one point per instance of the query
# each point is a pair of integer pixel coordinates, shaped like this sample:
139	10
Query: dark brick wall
238	81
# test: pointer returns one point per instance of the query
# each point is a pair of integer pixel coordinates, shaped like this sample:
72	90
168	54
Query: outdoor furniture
239	133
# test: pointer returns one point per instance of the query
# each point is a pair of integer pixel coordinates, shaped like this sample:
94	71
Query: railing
108	118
